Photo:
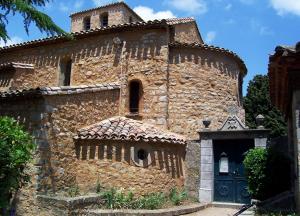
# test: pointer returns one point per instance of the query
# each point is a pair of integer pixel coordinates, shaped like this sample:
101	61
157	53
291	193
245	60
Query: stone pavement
220	211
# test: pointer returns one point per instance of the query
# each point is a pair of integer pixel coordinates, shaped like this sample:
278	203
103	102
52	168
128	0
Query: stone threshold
179	210
227	205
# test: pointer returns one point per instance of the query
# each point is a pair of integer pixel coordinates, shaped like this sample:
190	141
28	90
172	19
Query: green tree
257	101
29	12
16	150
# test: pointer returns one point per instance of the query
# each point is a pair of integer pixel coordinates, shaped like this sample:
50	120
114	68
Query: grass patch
119	199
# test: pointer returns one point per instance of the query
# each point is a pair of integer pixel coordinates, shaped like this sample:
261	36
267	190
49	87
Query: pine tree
27	8
257	101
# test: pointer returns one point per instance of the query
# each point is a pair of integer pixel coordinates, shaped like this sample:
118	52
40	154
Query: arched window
65	72
87	23
104	20
135	95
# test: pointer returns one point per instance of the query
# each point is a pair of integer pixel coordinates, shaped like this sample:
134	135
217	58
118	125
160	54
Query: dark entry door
230	184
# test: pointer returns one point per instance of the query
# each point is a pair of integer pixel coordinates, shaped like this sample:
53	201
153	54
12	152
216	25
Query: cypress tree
257	101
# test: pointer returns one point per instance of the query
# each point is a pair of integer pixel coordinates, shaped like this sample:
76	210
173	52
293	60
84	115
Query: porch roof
122	128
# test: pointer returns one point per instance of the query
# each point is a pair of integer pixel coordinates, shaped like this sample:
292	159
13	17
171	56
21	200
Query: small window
65	72
135	94
130	19
104	20
87	23
142	154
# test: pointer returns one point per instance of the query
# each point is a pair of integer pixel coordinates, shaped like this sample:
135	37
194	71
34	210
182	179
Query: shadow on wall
99	47
169	160
204	58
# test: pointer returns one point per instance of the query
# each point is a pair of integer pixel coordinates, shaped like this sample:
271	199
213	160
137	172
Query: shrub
177	197
267	172
255	164
16	150
117	199
150	201
73	191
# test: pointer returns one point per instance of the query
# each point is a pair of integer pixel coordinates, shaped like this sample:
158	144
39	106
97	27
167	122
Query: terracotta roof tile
122	128
212	48
58	90
175	21
77	35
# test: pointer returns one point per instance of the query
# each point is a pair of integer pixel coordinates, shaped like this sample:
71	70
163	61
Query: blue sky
251	28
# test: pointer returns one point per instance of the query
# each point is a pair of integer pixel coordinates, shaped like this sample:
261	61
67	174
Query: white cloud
286	6
264	30
260	28
210	36
228	7
189	6
149	14
13	40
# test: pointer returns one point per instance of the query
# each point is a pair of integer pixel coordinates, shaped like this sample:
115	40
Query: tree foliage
29	12
257	101
255	164
267	172
16	149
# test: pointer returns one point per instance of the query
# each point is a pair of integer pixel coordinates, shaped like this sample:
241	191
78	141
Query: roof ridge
62	90
81	33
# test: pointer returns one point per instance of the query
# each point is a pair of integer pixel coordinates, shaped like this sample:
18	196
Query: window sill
135	116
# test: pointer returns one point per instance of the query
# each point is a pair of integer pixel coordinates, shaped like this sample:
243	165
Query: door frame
206	187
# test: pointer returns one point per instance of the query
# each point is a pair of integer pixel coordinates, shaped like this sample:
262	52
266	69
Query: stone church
119	102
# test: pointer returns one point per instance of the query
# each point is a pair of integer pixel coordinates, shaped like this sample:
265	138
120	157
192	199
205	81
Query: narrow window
135	93
65	72
130	19
87	23
104	20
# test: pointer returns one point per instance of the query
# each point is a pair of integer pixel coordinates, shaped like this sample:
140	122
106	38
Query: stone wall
113	164
202	84
117	15
192	167
54	120
295	139
142	56
186	33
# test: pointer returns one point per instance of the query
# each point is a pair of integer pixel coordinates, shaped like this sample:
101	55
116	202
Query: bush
117	199
267	172
255	164
177	197
150	201
16	150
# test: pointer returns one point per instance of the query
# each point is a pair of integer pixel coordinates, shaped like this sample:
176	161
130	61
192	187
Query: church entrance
222	151
230	184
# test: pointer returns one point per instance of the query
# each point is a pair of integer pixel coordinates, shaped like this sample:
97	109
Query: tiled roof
106	6
77	35
175	21
16	65
212	48
63	90
122	128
